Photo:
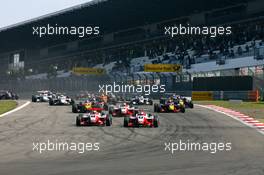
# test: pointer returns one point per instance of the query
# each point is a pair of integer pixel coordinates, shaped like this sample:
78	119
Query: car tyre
34	99
78	123
126	121
74	108
182	109
108	120
156	121
51	102
155	107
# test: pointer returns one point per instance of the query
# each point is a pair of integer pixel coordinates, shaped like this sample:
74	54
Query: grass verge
253	109
6	106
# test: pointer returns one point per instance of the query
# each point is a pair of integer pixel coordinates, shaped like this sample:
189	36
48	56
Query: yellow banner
202	96
87	70
162	68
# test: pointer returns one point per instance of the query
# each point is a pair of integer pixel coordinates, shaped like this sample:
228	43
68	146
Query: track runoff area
41	138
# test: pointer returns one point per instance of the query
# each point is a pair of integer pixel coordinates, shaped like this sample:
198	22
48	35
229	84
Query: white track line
16	109
259	129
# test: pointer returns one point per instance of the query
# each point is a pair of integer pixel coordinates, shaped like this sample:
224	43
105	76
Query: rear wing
96	109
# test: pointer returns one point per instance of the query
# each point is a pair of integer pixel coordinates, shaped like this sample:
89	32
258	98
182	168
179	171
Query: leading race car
141	100
60	99
94	118
42	96
121	110
141	119
170	106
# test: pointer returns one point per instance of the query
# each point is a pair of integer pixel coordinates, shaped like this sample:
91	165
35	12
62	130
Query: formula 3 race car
94	118
141	100
188	102
141	119
122	110
170	106
8	95
42	96
60	99
87	106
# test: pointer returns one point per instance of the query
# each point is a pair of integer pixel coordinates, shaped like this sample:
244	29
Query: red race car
94	118
122	110
141	119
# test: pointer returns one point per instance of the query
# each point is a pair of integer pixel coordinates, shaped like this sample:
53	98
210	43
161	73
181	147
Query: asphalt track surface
127	151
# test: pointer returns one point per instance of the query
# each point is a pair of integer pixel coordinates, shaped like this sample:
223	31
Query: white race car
121	110
94	118
141	119
42	96
60	99
141	100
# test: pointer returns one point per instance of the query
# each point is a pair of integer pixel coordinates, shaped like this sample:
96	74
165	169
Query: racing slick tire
156	108
126	121
78	123
156	122
34	99
191	105
74	108
182	109
108	121
51	102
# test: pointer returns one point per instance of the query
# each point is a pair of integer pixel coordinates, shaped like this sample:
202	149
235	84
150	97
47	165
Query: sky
15	11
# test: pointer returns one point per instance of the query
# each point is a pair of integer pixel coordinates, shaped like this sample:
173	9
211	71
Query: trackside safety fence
226	95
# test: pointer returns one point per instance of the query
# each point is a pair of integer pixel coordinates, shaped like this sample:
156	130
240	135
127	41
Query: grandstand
132	35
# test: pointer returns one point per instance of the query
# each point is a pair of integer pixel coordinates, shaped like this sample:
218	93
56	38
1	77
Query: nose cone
140	120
